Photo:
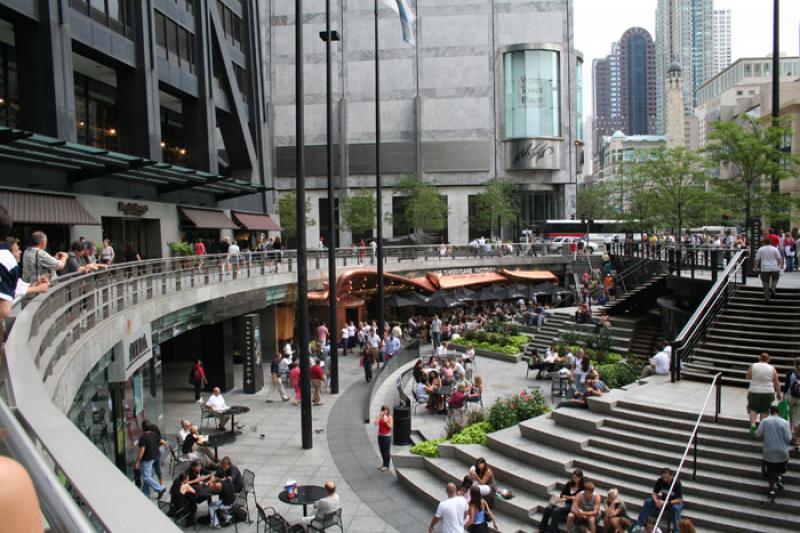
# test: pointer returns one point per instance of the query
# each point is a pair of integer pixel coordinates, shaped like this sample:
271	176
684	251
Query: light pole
331	36
378	184
302	261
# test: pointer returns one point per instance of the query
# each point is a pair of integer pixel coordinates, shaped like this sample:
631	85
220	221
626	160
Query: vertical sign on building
252	373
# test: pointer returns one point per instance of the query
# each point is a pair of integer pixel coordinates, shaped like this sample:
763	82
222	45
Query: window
9	87
161	31
96	113
231	25
757	70
532	94
173	143
175	43
748	70
116	14
172	42
241	79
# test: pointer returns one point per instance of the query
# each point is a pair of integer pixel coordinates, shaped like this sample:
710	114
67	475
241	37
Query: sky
598	23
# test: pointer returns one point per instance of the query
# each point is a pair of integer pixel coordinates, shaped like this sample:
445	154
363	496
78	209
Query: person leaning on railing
37	262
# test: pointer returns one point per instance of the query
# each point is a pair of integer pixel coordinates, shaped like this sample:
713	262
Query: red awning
208	218
255	221
40	208
530	275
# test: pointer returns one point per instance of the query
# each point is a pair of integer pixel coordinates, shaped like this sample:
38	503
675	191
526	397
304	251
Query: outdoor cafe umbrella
441	300
462	293
397	300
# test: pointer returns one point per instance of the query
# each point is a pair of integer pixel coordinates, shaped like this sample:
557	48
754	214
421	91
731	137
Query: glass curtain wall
532	94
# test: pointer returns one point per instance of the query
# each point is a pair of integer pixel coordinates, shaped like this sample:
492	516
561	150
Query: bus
600	231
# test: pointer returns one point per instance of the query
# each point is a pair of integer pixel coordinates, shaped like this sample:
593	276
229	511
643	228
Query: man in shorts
777	440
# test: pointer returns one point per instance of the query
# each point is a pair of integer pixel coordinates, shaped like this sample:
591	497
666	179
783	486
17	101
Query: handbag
783	409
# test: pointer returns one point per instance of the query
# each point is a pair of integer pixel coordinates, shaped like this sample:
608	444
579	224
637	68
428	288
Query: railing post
674	373
693	260
714	264
718	407
694	468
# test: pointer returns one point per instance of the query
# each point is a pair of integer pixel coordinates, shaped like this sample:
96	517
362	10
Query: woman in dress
294	381
479	513
385	424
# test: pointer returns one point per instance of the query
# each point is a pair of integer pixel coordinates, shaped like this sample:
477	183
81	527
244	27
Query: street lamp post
302	263
331	36
378	184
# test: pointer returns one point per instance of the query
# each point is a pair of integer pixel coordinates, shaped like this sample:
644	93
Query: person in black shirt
661	496
553	513
224	489
149	453
277	384
197	474
182	501
228	470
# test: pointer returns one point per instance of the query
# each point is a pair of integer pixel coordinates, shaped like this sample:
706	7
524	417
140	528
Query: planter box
486	353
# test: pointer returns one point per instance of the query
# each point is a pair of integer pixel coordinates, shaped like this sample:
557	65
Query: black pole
302	333
378	184
332	322
776	76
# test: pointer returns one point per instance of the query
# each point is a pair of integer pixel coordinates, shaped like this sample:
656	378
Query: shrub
510	410
473	434
618	375
181	249
475	416
428	448
452	425
610	358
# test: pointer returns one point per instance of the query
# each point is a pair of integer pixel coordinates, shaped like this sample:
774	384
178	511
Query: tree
358	212
287	211
424	209
675	187
748	150
596	202
496	206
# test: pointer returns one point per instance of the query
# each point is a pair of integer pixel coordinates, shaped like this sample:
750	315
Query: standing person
450	512
345	339
107	253
234	256
200	251
368	359
385	424
777	439
148	454
222	248
436	332
373	246
36	262
768	263
318	381
294	381
198	378
479	514
277	384
793	398
322	333
131	254
764	386
789	252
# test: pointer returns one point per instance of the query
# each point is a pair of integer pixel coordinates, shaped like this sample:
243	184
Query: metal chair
531	366
206	414
417	401
273	521
559	384
240	501
328	521
249	478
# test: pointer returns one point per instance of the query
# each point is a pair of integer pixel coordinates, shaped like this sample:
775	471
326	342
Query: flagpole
378	184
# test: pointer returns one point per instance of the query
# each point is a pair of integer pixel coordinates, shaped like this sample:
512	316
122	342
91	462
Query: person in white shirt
659	365
287	349
345	338
233	255
450	512
216	404
769	263
420	392
327	505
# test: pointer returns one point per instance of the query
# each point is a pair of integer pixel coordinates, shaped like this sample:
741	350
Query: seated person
661	496
483	477
223	488
579	399
599	384
420	373
469	355
327	505
458	371
585	508
181	499
421	392
228	470
604	322
583	314
476	391
659	364
197	474
554	512
433	363
190	448
216	405
616	515
448	373
458	397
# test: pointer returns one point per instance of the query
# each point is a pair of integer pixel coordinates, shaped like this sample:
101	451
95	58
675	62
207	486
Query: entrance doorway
143	233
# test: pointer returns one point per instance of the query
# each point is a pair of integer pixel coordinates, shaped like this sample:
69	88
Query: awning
40	208
530	275
255	221
208	218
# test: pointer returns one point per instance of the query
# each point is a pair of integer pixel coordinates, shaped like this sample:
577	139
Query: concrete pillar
269	337
217	353
458	219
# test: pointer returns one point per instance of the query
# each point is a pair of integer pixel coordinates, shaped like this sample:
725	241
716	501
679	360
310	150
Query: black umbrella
462	293
543	288
441	300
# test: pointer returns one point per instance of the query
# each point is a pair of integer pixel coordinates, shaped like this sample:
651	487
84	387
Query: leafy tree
358	212
287	211
596	202
676	187
747	151
424	208
496	206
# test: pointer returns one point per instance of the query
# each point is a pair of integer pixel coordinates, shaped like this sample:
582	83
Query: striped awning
41	208
255	221
208	218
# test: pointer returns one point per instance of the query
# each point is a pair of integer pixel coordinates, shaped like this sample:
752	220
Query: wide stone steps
743	316
750	327
742	331
690	371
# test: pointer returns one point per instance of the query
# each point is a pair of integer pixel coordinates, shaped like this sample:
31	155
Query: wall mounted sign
132	209
532	154
250	335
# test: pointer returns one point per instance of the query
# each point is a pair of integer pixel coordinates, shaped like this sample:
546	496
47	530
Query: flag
407	18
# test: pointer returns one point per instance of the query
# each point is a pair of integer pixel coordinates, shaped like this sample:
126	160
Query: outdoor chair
182	519
418	402
175	459
559	383
531	366
241	502
272	520
205	415
330	520
249	478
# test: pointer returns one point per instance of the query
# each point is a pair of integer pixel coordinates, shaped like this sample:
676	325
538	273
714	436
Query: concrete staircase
646	334
559	322
641	298
623	444
746	327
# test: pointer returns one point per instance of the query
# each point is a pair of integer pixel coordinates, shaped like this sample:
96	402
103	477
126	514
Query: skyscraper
624	88
683	36
721	55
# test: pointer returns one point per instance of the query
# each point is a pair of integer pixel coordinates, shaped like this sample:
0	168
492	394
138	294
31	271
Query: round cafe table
234	410
306	494
219	439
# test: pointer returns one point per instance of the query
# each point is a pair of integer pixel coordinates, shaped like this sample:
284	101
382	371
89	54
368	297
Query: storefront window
92	409
579	96
532	94
96	113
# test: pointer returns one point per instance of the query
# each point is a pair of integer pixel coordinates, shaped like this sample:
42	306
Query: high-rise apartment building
624	88
721	33
684	32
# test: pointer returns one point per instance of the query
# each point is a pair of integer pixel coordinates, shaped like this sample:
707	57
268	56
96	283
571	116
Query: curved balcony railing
48	327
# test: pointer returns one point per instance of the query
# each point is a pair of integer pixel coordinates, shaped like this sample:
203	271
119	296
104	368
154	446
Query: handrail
698	323
716	383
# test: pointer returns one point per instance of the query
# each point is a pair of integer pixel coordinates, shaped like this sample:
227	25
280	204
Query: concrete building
135	121
675	127
490	89
737	86
617	149
624	88
684	35
721	35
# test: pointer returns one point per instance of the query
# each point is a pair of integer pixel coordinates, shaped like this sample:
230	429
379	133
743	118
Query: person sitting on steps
560	505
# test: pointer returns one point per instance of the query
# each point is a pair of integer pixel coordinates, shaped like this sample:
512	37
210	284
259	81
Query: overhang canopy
530	275
255	221
208	218
40	208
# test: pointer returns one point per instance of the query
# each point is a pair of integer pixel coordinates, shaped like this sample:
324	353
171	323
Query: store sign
250	335
532	91
532	154
138	350
134	350
132	209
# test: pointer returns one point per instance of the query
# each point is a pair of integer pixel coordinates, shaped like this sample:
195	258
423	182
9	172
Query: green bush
181	249
452	425
618	374
510	410
429	448
609	359
473	434
475	416
495	342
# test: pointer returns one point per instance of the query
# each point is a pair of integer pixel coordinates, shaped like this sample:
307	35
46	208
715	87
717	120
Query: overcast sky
598	23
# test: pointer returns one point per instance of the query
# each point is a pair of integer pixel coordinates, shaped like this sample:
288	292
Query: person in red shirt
199	249
322	333
318	381
774	240
385	423
198	378
294	381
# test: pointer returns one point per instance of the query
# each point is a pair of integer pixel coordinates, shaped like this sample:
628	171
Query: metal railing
48	327
679	258
716	386
707	312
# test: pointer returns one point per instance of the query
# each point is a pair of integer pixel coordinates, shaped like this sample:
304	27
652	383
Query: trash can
402	425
